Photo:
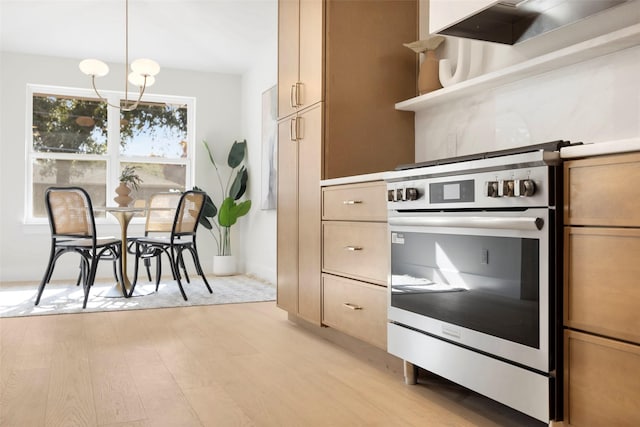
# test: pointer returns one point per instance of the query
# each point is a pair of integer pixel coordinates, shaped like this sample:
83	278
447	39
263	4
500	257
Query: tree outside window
75	142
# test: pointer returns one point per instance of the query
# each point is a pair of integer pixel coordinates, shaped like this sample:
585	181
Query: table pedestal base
116	291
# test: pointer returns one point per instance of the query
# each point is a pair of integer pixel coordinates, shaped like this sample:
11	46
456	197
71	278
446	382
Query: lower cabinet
355	260
602	281
602	381
356	250
602	291
355	308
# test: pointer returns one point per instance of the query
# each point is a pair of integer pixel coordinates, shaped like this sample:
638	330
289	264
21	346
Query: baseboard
366	352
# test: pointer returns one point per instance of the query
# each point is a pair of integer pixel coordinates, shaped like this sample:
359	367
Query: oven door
477	279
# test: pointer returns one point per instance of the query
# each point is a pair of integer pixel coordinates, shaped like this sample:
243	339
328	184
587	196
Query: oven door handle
492	222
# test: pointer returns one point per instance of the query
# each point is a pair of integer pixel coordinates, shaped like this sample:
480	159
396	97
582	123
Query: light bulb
145	67
94	67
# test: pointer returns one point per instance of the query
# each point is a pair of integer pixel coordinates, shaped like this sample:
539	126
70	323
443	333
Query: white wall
24	249
258	237
592	101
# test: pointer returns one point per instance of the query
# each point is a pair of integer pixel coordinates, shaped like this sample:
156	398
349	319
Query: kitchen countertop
378	176
600	148
572	152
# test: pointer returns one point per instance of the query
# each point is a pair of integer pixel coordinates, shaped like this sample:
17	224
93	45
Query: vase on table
123	199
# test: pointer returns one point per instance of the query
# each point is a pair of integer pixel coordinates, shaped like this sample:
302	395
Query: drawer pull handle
351	202
352	306
353	248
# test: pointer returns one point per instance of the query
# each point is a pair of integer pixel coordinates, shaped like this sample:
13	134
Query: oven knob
391	195
400	195
525	187
506	188
491	189
411	193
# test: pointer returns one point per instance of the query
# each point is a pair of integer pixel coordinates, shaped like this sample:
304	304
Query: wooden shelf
599	46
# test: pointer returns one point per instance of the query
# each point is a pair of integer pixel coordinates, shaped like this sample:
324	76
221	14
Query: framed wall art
269	148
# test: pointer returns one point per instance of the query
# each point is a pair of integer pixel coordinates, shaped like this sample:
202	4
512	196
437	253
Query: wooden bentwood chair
182	237
73	229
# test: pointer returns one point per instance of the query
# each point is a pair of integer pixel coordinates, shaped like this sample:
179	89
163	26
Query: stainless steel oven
475	274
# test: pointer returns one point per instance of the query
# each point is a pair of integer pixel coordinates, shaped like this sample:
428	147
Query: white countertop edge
600	148
377	176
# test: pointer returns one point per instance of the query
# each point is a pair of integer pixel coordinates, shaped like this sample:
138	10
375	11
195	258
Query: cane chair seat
88	243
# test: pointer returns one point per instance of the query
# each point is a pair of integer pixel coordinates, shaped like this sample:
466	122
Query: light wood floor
222	365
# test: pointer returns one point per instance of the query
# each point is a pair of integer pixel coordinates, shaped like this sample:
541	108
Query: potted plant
128	178
221	214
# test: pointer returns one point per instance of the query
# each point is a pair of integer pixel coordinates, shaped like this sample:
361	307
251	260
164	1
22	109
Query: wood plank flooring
221	365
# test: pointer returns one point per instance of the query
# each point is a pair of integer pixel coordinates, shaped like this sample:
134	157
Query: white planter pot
224	265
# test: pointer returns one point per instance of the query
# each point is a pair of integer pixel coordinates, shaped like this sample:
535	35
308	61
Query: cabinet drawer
601	381
356	249
602	285
603	191
355	202
355	308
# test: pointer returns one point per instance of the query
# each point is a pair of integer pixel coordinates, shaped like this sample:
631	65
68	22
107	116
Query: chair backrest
70	212
161	212
188	214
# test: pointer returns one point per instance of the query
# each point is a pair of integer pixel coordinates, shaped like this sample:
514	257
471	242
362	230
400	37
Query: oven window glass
488	284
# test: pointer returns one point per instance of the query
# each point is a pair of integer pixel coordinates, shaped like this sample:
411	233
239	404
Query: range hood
513	21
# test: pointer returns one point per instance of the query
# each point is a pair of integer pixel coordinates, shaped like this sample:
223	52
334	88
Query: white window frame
112	157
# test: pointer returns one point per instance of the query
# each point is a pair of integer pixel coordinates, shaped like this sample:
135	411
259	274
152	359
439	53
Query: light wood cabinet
299	212
602	291
602	277
360	202
355	260
367	71
602	378
356	308
300	54
603	191
343	60
358	75
356	249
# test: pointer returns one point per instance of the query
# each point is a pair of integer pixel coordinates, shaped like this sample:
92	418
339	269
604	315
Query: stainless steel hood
513	21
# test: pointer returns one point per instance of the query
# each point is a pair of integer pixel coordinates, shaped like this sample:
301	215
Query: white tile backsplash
593	101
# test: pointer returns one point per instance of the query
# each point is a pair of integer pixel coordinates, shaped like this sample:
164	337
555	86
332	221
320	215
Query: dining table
123	288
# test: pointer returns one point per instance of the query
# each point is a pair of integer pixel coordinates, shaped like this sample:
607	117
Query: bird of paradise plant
218	218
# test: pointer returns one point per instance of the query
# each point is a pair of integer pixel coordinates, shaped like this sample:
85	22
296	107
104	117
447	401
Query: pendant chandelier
142	72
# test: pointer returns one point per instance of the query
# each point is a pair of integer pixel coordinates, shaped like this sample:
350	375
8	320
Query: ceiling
204	35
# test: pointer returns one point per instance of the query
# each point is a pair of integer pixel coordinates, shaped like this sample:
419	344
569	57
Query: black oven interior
486	283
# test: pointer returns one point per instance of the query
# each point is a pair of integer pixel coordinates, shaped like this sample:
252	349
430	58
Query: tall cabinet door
311	52
300	54
309	213
287	222
288	54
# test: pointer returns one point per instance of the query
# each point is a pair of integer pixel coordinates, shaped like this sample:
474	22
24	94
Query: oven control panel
403	194
526	187
510	188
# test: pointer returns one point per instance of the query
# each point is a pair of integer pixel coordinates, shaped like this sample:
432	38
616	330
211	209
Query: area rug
60	298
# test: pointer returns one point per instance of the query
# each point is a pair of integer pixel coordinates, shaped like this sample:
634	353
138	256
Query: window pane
157	178
154	130
90	175
63	124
